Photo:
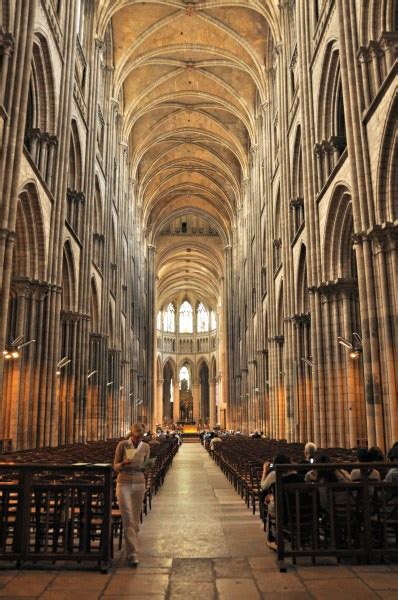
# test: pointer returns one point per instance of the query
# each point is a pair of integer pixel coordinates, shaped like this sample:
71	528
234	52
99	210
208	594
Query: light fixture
109	383
307	361
12	351
25	344
91	374
63	362
121	388
355	347
344	342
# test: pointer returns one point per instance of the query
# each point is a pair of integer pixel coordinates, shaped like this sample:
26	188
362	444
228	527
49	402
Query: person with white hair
309	452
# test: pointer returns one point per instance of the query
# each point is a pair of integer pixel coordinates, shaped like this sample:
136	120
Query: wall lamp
91	374
308	362
355	347
15	346
62	363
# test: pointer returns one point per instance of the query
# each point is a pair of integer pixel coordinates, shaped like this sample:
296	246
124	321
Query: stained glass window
169	319
202	316
186	318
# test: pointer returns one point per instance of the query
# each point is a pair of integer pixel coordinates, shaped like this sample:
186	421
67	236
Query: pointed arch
29	251
75	175
303	304
202	360
387	194
330	120
68	279
94	306
202	318
338	251
172	366
98	208
186	317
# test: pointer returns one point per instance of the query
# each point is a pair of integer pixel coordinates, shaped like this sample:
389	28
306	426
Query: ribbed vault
192	78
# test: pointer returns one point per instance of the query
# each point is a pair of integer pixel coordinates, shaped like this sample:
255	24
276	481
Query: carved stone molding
296	203
7	43
301	319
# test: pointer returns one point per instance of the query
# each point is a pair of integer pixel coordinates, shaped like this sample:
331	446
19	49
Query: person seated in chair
267	485
215	440
328	475
309	452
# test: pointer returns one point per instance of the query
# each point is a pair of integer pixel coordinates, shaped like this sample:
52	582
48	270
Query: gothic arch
302	295
376	17
199	363
331	120
172	366
387	192
75	177
98	208
337	248
29	251
297	166
68	279
41	110
94	307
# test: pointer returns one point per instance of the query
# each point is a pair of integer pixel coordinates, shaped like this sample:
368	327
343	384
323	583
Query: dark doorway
204	392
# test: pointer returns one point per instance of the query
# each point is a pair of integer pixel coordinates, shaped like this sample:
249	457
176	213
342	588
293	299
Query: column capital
99	44
7	43
265	108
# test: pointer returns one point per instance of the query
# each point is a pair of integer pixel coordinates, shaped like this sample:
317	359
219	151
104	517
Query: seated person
392	475
364	456
267	485
329	475
214	441
309	452
256	434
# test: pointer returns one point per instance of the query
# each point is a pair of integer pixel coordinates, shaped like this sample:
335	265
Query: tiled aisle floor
201	543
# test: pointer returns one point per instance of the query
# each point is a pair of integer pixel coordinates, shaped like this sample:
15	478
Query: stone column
159	402
212	402
176	403
195	395
151	328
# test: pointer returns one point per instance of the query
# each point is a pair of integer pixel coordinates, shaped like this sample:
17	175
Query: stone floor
200	542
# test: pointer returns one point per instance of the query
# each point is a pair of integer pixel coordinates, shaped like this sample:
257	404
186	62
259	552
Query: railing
348	519
60	512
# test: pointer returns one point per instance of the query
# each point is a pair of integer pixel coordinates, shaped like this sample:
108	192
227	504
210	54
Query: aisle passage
198	514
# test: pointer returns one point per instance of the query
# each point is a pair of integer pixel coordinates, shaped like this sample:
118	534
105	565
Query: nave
200	541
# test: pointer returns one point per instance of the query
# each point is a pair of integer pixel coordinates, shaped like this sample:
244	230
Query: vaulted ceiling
192	75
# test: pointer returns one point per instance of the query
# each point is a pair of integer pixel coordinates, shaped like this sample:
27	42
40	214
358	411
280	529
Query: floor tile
236	589
341	589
